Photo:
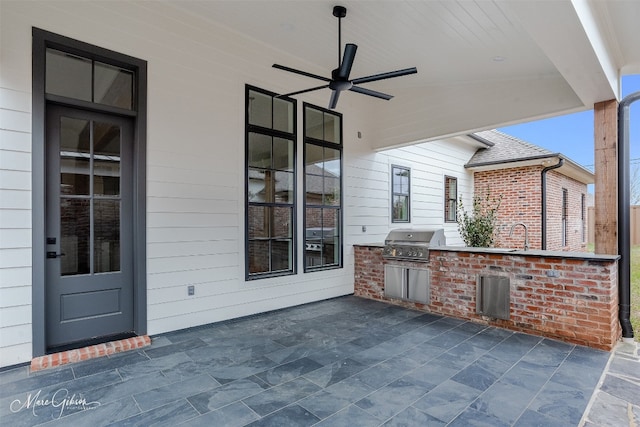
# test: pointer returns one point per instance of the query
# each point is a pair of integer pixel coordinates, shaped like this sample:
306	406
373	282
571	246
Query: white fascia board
570	33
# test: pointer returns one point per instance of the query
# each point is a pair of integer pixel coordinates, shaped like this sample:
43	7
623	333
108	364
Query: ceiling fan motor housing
339	11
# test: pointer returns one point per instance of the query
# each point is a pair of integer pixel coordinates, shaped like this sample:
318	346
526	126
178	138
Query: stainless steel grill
412	244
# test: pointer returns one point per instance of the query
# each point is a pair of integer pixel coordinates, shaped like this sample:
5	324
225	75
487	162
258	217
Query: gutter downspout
543	177
624	222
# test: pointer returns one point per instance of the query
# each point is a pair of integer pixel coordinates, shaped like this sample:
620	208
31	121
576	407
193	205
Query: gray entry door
89	241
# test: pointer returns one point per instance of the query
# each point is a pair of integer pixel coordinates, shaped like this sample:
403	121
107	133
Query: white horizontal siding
13	354
204	275
15	296
15	276
369	187
15	238
195	175
186	234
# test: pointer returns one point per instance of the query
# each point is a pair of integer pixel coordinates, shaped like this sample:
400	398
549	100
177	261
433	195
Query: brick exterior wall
570	299
521	192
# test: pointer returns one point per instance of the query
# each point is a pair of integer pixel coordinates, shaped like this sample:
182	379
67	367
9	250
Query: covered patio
289	344
340	362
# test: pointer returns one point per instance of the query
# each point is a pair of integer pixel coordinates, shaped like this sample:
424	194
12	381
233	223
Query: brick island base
568	296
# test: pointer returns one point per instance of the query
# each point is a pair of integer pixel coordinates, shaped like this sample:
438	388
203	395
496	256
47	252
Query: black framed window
270	184
450	199
400	194
93	81
565	216
322	188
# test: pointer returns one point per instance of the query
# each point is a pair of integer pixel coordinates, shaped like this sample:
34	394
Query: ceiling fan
339	80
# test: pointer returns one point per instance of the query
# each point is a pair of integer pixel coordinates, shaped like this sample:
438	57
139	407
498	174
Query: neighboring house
522	173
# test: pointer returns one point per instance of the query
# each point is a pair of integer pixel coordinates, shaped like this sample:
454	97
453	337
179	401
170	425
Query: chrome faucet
526	234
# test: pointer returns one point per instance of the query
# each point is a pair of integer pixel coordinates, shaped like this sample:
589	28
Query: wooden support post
606	177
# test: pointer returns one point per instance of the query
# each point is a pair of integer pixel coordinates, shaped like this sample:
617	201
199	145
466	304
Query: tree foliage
478	227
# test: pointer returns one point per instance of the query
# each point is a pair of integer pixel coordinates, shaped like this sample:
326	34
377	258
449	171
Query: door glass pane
106	220
260	109
68	75
74	156
74	236
106	164
113	86
258	256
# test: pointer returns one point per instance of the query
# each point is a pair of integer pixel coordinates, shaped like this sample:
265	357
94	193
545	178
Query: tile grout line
596	391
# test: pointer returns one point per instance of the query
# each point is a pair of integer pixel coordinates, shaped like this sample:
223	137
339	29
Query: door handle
54	255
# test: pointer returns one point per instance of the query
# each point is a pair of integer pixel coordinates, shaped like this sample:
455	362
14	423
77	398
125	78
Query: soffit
481	64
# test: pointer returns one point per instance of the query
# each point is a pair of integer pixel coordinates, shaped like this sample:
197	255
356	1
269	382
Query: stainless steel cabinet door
395	281
418	285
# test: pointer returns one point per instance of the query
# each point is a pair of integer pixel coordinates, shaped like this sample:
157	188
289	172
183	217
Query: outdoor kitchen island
570	296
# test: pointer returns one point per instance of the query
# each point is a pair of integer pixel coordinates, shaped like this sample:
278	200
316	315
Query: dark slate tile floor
342	362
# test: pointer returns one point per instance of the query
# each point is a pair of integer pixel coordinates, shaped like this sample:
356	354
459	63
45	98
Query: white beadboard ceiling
481	63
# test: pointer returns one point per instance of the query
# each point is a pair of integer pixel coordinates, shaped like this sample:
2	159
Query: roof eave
569	168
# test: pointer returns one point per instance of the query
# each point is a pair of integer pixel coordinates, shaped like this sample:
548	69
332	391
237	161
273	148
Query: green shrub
478	227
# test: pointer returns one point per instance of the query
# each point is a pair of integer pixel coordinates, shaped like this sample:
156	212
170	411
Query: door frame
41	41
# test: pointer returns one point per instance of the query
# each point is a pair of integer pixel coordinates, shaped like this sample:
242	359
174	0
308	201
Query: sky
572	134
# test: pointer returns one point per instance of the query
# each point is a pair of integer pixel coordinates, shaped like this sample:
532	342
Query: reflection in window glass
75	156
68	75
106	223
75	222
259	224
283	154
283	115
313	123
259	106
113	86
400	196
259	256
259	150
332	128
322	213
450	199
282	222
106	159
282	255
270	169
80	78
284	183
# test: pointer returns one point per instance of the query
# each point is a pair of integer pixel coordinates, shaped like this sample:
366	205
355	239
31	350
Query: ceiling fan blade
302	73
383	76
298	92
347	61
371	92
335	94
